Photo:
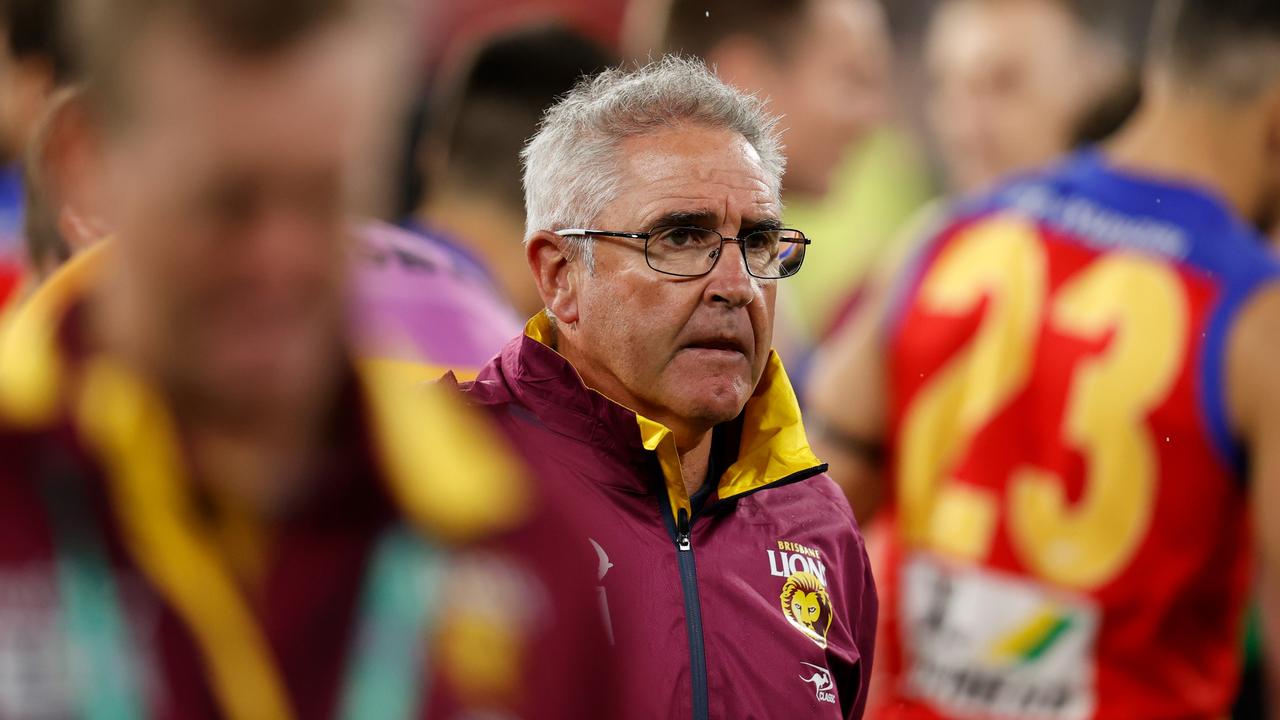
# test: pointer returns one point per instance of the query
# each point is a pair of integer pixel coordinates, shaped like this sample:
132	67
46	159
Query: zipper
681	533
692	615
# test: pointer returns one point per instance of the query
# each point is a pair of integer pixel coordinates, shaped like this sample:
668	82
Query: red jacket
126	588
754	602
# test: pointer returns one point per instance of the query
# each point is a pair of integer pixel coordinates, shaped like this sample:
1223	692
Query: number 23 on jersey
1133	311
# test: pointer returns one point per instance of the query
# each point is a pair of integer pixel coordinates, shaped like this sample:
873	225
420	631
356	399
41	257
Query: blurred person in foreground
483	117
417	307
1071	410
208	509
649	396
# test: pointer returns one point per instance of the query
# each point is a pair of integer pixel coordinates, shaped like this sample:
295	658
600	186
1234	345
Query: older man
648	393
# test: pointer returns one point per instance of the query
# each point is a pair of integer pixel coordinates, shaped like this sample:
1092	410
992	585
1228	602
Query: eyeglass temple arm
579	232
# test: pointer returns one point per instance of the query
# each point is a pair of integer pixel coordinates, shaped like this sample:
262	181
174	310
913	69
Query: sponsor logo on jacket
820	678
804	599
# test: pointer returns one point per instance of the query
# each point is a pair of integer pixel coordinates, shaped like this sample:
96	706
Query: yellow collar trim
31	371
130	431
773	445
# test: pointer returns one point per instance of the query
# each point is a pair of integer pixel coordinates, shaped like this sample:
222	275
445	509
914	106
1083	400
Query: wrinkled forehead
714	173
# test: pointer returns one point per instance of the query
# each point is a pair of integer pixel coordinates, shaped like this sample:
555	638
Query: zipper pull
682	531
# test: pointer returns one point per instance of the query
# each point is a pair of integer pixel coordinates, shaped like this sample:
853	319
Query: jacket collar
772	450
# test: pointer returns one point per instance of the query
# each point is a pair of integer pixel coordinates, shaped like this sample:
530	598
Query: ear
73	160
554	274
80	231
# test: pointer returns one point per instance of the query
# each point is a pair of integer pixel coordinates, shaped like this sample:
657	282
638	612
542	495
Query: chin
713	408
254	386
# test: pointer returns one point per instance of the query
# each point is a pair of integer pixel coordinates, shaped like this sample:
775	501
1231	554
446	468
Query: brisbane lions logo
806	606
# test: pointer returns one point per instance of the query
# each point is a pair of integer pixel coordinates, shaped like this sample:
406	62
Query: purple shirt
416	300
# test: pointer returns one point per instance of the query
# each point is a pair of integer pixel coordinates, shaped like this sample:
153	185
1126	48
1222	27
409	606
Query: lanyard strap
95	634
388	673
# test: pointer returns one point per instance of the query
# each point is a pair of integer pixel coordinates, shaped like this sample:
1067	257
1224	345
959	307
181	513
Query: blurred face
228	183
684	351
830	88
1005	87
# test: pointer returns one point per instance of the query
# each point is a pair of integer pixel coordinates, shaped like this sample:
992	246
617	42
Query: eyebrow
750	226
711	219
697	218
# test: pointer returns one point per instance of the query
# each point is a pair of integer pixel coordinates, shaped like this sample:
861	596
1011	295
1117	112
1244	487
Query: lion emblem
806	606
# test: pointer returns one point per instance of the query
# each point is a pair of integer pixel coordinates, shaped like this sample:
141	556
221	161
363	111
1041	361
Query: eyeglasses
694	251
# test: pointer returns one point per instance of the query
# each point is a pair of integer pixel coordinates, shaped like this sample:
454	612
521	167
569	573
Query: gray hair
570	173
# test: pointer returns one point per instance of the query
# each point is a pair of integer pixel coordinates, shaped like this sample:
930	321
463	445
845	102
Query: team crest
807	606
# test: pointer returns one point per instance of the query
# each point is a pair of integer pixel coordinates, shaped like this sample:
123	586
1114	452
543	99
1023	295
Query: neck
1197	140
693	441
257	458
494	233
264	473
694	461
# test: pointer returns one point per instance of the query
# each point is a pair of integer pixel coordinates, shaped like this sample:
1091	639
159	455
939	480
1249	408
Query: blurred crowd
207	210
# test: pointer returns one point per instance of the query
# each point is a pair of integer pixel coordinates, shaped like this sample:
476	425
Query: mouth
726	346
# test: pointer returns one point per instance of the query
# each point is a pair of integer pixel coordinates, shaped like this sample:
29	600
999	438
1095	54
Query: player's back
1069	509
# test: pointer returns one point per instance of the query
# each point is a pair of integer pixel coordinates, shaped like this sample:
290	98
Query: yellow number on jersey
1002	261
1144	306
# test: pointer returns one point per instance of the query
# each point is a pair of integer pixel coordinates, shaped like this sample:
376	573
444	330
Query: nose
729	283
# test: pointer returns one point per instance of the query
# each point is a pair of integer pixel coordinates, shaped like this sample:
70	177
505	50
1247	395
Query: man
417	307
1013	85
1076	387
207	510
488	110
648	395
1010	82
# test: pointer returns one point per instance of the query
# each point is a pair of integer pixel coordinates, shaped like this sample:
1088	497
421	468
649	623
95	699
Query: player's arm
847	401
1253	387
846	410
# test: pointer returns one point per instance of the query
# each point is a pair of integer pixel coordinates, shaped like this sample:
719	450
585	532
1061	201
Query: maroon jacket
218	618
755	601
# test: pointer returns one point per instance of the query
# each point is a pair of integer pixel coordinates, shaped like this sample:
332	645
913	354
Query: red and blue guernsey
1070	527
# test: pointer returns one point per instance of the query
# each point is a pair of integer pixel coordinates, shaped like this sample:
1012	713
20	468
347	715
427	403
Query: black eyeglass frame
742	248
